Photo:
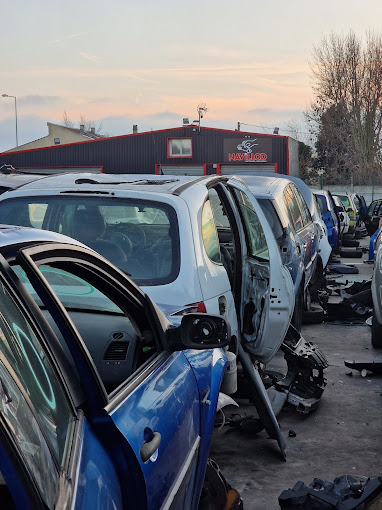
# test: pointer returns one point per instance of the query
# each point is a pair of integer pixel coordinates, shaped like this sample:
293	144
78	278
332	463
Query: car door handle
149	447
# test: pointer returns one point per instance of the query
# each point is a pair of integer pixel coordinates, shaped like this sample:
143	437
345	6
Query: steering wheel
136	234
122	241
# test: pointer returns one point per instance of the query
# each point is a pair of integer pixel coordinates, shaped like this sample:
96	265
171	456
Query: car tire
350	243
376	334
356	253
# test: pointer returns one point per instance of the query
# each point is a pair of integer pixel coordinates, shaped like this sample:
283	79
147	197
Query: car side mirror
199	331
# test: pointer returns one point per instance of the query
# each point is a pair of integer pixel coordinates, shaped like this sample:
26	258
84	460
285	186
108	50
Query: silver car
376	292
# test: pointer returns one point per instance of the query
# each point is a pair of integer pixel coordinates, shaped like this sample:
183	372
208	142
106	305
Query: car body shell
376	282
350	208
173	393
199	279
342	215
360	203
299	249
324	246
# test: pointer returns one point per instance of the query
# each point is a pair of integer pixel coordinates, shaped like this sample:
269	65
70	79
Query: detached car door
143	401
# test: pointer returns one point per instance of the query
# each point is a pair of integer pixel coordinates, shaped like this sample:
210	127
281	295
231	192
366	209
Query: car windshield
141	237
345	200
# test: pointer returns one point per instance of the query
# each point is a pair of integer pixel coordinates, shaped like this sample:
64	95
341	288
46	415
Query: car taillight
199	307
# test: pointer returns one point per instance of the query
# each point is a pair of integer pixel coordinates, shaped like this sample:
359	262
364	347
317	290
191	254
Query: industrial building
189	149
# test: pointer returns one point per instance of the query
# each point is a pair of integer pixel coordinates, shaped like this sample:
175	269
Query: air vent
116	351
117	336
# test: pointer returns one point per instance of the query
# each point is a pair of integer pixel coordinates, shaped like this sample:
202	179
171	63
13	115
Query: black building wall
139	153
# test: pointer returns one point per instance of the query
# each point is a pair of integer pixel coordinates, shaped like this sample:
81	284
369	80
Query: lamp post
14	97
321	172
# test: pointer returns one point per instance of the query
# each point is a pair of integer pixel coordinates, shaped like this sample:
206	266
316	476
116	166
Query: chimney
92	130
82	128
135	129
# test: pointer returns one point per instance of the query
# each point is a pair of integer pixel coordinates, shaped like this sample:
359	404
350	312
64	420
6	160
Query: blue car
329	215
103	403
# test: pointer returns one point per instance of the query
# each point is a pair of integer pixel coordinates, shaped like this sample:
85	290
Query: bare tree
66	120
347	83
88	124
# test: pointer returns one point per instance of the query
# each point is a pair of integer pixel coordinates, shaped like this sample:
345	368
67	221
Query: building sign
248	150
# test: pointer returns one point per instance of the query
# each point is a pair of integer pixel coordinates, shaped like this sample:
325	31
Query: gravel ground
343	436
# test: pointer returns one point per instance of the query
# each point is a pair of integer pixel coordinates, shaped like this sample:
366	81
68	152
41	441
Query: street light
321	172
14	97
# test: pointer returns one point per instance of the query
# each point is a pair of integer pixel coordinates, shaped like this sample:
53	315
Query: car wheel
350	243
296	319
376	334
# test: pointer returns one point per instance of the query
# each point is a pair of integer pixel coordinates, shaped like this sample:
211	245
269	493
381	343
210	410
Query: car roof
264	185
11	235
14	180
137	182
322	192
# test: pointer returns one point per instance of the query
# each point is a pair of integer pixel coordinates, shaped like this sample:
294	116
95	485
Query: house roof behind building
88	134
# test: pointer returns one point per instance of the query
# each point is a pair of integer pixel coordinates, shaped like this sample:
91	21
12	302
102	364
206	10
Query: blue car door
151	398
49	455
159	418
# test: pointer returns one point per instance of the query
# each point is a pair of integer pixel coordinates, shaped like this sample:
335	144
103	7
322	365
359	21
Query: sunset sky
151	63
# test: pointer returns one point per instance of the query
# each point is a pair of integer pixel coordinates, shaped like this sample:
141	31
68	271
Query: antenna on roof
201	109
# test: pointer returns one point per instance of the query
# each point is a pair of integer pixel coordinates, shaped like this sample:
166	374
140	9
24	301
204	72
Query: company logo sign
248	152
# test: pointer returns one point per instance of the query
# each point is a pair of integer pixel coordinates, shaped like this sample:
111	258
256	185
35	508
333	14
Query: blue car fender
209	367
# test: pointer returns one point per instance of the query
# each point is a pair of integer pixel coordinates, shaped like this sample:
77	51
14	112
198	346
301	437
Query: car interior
118	342
139	237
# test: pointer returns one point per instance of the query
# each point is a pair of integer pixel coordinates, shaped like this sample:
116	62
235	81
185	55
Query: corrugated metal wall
139	153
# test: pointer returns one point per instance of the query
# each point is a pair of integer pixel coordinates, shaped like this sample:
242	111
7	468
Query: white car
191	244
342	214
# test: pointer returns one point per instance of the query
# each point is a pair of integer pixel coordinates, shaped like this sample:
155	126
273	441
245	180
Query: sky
151	63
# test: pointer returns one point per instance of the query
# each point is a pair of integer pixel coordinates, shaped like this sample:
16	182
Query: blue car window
27	435
117	344
21	347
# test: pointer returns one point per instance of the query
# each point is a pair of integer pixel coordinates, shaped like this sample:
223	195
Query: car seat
88	227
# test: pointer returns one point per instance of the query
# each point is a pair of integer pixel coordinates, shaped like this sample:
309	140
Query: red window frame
170	156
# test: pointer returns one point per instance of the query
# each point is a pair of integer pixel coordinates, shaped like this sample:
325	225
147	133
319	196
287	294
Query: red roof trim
57	147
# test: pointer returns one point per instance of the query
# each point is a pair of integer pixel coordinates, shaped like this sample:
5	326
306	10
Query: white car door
324	248
267	291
